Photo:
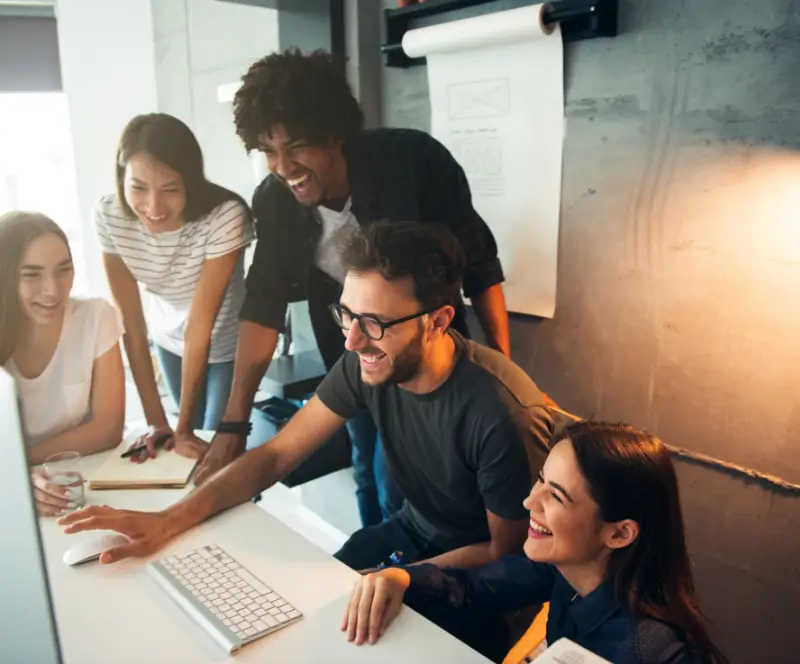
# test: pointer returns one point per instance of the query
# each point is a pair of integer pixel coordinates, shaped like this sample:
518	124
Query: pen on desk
160	442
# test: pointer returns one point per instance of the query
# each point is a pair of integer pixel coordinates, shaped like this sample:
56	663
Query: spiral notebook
169	470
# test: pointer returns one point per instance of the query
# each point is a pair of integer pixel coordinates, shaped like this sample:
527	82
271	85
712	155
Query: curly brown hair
307	94
428	253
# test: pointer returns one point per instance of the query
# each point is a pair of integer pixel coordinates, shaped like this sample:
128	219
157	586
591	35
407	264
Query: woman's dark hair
307	94
630	476
428	253
171	142
17	230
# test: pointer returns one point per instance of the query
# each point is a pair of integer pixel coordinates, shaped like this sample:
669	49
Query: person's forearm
490	307
254	352
97	435
194	366
144	376
237	483
467	557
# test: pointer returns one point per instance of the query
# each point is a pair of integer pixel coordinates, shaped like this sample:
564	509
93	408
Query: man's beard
406	365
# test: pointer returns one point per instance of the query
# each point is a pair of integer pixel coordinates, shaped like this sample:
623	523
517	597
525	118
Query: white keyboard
231	604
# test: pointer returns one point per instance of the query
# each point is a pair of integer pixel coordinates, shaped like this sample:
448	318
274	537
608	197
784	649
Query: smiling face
45	279
565	525
155	193
312	173
397	357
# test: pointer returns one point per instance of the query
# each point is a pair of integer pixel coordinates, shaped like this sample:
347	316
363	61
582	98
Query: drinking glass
63	469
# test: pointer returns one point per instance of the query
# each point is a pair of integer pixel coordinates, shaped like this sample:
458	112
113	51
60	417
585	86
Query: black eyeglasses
370	325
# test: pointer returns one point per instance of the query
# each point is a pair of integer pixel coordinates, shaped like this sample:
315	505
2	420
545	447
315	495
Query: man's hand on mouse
147	531
51	499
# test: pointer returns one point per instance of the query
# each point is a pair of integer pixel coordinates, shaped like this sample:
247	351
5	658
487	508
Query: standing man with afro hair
328	176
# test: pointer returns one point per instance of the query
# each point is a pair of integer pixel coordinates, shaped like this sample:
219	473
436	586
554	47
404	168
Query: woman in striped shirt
168	229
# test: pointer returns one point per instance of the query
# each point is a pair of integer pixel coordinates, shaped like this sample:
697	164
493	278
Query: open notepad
169	470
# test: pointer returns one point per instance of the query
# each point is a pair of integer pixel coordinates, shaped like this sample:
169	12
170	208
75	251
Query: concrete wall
679	276
200	45
108	75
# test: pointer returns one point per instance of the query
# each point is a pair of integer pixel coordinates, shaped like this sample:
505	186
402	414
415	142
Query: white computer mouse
88	550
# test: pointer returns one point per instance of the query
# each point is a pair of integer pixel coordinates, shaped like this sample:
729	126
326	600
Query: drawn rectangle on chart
479	99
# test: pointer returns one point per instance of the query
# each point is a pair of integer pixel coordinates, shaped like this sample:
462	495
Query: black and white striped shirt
168	265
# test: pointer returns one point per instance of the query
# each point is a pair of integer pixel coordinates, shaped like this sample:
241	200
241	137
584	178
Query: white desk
109	614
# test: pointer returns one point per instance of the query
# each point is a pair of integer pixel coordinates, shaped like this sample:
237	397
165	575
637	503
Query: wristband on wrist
240	427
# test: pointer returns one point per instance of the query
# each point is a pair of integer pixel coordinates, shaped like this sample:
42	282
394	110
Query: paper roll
478	32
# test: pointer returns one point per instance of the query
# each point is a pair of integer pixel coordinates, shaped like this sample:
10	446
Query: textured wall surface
679	276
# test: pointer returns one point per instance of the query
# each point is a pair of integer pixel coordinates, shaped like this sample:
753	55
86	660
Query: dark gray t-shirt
467	447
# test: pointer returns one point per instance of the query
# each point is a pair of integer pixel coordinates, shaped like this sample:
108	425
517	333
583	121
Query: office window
36	166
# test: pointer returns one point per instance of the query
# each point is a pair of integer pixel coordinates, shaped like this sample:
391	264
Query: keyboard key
244	625
281	618
237	620
272	597
279	602
259	625
271	622
274	611
231	613
254	583
260	612
293	614
250	631
286	608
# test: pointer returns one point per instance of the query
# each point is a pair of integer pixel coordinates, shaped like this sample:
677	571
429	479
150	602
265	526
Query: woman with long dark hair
606	548
62	351
169	229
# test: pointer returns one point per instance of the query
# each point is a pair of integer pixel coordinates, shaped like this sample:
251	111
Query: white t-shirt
169	265
59	398
336	226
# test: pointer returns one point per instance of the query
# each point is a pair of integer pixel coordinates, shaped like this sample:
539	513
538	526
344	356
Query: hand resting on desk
184	443
224	448
147	531
375	601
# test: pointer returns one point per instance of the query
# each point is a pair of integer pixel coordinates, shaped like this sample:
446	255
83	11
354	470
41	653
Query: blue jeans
214	392
376	493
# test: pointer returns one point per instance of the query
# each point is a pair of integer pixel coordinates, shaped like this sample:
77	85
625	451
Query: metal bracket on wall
579	19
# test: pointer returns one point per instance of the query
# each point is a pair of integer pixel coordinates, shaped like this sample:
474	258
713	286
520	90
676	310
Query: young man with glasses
464	428
329	176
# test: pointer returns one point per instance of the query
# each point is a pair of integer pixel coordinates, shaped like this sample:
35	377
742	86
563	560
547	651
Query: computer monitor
27	624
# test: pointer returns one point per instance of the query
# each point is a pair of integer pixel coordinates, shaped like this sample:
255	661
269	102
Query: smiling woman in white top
63	352
181	237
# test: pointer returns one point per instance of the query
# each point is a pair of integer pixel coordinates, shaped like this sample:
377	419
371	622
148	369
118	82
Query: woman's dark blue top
460	601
